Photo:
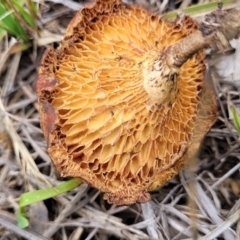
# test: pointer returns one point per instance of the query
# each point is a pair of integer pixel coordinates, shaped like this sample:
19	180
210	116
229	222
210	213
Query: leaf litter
201	203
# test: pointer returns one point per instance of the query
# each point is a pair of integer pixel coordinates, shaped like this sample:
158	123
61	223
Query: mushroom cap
102	124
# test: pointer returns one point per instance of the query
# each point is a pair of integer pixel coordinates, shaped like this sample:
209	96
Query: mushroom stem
217	29
180	52
160	81
160	78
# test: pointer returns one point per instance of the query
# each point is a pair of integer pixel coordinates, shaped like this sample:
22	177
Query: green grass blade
40	195
22	220
25	14
236	118
9	23
2	33
196	9
43	194
33	8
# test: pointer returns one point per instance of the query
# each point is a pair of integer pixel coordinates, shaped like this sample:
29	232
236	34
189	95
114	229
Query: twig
227	175
148	214
66	211
68	3
222	227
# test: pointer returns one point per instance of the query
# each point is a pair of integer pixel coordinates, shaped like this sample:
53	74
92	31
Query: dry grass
201	203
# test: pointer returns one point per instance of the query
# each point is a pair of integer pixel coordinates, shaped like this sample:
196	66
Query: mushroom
110	113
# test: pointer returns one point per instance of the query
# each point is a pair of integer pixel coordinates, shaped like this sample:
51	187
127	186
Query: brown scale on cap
112	113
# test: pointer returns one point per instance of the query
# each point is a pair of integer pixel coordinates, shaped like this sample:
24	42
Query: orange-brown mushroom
110	114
